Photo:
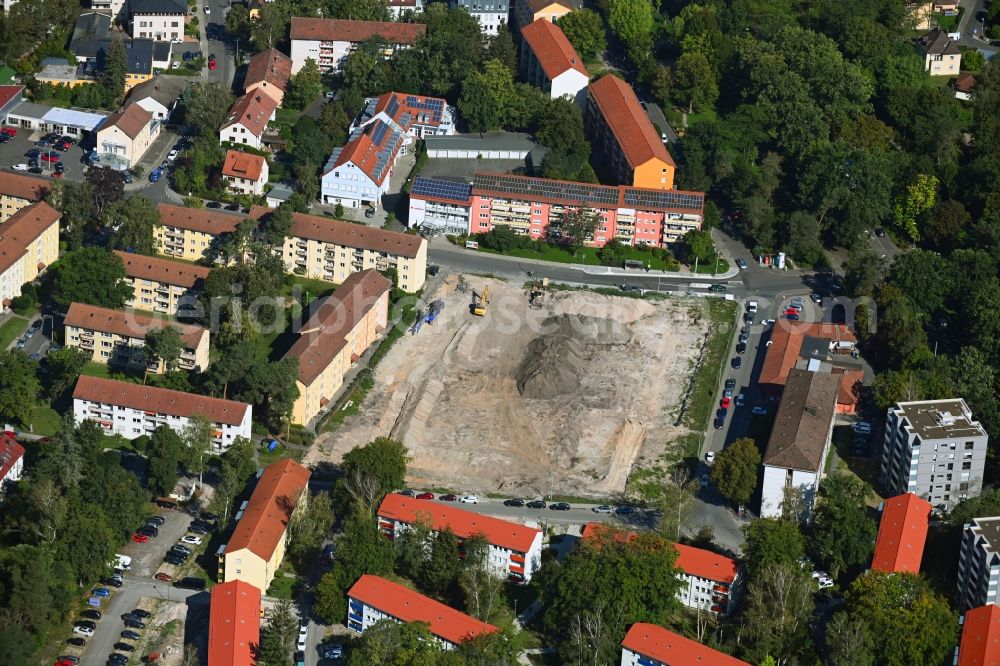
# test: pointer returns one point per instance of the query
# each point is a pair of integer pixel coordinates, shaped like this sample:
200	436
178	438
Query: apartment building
902	533
330	41
269	72
131	410
11	461
257	546
341	329
373	599
440	206
491	14
652	645
117	337
979	563
359	172
535	207
416	116
126	136
551	63
29	242
942	56
161	285
328	249
248	118
18	191
515	551
934	449
796	453
529	11
399	7
980	644
625	142
159	20
187	233
234	624
245	173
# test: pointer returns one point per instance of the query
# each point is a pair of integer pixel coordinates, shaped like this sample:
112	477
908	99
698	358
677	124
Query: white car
825	582
818	575
710	457
469	499
208	10
604	508
758	411
83	631
20	167
301	645
176	64
172	155
191	539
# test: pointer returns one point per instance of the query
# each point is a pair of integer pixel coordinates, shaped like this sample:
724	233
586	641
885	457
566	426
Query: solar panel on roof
378	132
430	106
540	187
647	199
441	189
393	108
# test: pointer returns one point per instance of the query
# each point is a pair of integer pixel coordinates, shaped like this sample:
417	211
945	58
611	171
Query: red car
140	538
425	496
211	64
12	131
50	157
724	403
165	577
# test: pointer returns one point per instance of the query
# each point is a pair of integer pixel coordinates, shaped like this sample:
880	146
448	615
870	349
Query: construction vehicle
480	302
434	311
536	292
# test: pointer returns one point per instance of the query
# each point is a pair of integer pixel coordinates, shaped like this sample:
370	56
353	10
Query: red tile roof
980	644
253	110
339	30
243	165
234	624
129	120
706	564
23	187
552	49
464	524
162	270
159	400
10	453
345	234
270	509
374	159
270	66
786	344
622	112
406	605
407	113
325	334
8	93
673	649
23	228
597	533
128	323
901	534
198	219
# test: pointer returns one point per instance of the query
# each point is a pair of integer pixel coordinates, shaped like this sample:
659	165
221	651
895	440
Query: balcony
87	343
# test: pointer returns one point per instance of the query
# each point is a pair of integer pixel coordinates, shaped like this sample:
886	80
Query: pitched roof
408	110
901	534
164	89
22	229
356	236
242	165
706	564
964	82
162	270
253	110
158	6
324	335
90	33
270	508
538	5
138	56
128	323
130	119
798	437
406	605
669	648
233	624
10	453
552	49
7	93
502	533
371	148
23	187
980	644
271	66
198	219
622	112
937	42
340	30
160	400
786	345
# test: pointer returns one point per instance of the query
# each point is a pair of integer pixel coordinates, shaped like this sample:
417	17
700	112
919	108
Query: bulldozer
480	302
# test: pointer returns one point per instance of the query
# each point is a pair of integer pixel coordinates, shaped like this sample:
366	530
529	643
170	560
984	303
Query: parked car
469	499
724	403
730	383
235	207
559	506
124	647
131	635
535	504
740	400
792	317
76	641
163	577
604	508
624	511
156	520
448	498
815	298
710	457
758	411
155	174
10	131
86	624
719	422
191	539
51	157
83	631
68	657
704	480
369	213
140	538
59	168
113	582
425	496
20	167
212	65
742	263
198	529
408	493
180	549
741	347
100	592
737	362
513	502
35	169
334	651
190	583
92	614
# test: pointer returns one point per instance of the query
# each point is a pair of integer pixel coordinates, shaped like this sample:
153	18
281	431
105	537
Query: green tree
632	23
561	131
769	541
19	387
920	197
162	345
396	644
584	29
133	220
734	473
271	25
237	464
698	244
487	94
283	624
779	604
65	366
501	48
662	86
310	528
206	106
197	438
164	454
366	70
334	123
118	493
105	187
695	84
369	472
842	535
848	642
91	275
440	570
576	228
270	386
115	69
305	86
238	22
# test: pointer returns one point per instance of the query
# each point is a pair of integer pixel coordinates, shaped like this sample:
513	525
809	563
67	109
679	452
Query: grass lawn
948	23
11	328
95	369
46	421
283	586
586	255
710	267
267	457
286	116
722	328
358	392
309	287
187	68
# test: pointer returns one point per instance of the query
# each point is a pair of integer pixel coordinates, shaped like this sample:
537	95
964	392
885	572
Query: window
969	446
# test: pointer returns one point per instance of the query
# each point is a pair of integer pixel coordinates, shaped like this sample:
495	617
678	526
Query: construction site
529	391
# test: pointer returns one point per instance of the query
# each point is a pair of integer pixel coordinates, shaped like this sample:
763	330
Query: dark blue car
155	174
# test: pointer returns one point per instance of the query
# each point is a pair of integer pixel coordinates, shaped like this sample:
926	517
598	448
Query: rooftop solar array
431	107
657	199
393	107
530	188
377	132
441	189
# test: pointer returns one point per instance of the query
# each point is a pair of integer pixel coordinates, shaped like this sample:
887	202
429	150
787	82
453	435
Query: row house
269	72
126	135
515	551
189	233
18	191
341	329
132	410
256	548
651	645
979	563
247	119
159	20
551	63
234	624
323	248
117	337
535	207
161	285
902	533
625	143
329	41
360	172
934	449
245	173
373	599
29	243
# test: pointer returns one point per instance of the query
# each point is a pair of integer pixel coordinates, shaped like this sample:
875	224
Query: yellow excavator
480	302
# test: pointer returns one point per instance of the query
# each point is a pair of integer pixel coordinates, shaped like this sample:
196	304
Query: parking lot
13	152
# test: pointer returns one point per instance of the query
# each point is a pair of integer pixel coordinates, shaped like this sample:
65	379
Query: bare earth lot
561	398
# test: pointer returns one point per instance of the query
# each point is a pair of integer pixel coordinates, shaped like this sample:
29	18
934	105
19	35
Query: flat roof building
979	563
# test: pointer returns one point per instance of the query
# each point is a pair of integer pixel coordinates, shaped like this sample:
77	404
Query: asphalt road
218	42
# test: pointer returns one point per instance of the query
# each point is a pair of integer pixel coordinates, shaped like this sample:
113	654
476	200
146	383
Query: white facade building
132	410
11	460
330	41
247	119
550	62
979	563
491	14
159	20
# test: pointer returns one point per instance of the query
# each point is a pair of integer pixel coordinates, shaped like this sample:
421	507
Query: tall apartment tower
979	563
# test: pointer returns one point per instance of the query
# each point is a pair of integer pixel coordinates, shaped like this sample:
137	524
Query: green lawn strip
585	256
11	329
46	421
722	327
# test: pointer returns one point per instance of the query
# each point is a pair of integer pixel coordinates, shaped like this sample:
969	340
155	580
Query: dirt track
534	401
